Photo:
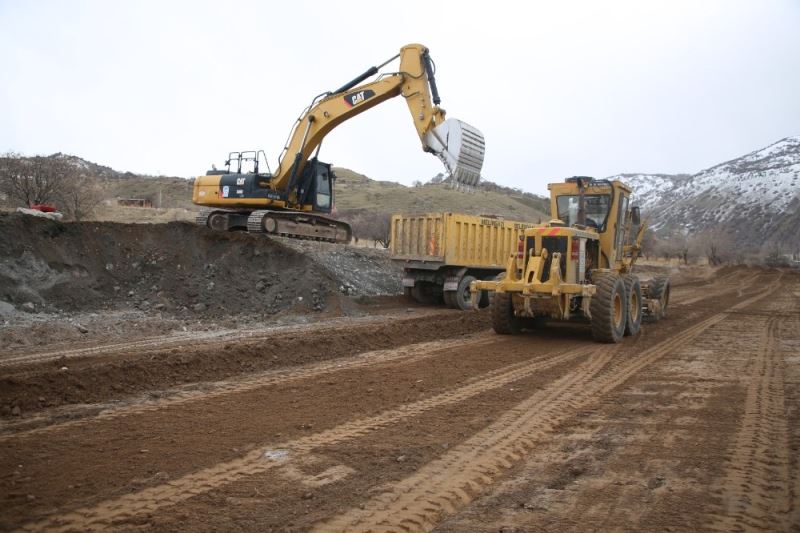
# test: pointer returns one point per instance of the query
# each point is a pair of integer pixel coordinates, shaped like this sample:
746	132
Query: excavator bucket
461	148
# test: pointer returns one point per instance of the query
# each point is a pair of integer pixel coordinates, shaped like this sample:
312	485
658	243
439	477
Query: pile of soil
172	268
361	271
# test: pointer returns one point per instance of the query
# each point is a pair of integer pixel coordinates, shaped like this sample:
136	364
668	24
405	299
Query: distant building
134	202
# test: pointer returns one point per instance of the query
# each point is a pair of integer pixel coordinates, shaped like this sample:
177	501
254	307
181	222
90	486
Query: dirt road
421	420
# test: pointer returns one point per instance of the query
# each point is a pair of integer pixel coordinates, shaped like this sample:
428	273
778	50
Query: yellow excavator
294	200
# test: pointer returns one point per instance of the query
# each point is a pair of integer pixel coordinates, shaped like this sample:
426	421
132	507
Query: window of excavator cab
597	207
323	191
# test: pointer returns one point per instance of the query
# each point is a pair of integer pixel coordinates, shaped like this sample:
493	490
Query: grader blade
461	148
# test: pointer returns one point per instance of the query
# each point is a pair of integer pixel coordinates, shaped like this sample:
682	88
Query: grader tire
609	309
484	300
659	290
633	290
504	322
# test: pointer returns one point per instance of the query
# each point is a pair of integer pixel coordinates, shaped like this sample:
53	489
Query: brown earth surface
398	418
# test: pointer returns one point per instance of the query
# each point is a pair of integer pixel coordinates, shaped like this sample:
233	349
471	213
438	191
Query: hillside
753	201
171	197
356	191
755	198
162	191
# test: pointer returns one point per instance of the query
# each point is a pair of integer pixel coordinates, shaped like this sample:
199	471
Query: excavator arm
459	146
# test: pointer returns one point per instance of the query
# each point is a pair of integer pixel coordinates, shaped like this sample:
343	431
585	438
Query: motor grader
579	266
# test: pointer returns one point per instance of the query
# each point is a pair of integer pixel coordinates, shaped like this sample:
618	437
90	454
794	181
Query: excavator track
299	226
201	219
222	219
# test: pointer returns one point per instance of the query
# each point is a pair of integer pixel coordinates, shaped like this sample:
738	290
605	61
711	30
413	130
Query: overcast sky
558	88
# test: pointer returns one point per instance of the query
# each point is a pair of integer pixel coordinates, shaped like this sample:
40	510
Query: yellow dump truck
442	253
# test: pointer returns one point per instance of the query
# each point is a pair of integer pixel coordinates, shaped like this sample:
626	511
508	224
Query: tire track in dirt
720	286
757	491
439	489
179	339
100	380
790	352
405	354
149	500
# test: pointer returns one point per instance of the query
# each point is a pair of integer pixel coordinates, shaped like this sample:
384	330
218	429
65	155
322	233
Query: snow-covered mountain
754	198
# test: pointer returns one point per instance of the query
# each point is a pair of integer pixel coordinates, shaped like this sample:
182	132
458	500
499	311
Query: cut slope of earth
172	268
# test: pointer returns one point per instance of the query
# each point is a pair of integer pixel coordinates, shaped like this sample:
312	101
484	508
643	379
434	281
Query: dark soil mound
173	267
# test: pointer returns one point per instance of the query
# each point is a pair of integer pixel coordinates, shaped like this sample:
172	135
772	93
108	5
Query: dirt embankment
170	268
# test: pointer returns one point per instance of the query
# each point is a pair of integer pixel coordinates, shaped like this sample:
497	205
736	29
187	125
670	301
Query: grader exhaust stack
461	148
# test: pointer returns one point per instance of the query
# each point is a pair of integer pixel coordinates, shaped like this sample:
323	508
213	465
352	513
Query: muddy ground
369	414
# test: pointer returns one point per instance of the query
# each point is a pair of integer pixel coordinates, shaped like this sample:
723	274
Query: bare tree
34	180
675	245
370	225
715	244
79	197
684	250
650	244
383	230
774	254
48	180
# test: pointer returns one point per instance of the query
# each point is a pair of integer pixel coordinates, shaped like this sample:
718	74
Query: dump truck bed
453	239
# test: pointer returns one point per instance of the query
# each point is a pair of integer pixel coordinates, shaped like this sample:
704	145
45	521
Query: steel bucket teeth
461	148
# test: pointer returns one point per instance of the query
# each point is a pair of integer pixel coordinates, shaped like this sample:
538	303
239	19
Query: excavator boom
458	145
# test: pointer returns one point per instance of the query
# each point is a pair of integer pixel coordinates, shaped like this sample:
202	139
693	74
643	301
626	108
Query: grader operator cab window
597	207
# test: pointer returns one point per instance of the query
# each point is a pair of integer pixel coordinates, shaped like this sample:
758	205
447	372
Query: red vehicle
44	208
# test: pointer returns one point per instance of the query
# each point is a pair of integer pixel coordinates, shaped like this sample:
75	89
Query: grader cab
579	266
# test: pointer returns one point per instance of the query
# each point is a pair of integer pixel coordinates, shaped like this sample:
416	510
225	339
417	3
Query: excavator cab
316	186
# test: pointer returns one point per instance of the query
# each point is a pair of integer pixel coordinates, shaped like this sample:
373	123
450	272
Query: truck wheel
504	321
633	290
462	297
449	301
609	309
427	293
659	290
434	293
408	294
419	295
